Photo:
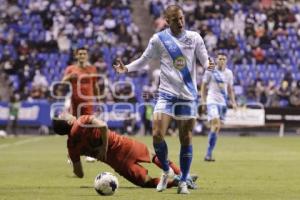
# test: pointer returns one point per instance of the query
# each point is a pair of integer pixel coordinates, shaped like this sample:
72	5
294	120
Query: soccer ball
106	183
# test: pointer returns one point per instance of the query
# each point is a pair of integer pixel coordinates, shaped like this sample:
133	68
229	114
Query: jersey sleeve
201	52
152	51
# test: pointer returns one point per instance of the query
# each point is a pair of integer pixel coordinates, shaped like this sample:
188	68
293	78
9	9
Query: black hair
220	53
61	127
81	48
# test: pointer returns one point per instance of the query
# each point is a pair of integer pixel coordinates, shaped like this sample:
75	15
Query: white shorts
215	111
175	107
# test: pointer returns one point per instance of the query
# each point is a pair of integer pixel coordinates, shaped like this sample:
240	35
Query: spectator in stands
110	23
231	42
210	40
259	55
227	25
271	56
239	24
283	94
124	36
238	57
100	64
63	42
189	7
39	80
222	42
272	100
260	92
288	77
36	93
295	94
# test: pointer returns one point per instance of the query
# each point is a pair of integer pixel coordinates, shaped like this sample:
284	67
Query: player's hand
120	67
211	65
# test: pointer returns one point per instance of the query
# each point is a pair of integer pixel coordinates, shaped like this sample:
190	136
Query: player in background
90	136
83	79
177	49
217	86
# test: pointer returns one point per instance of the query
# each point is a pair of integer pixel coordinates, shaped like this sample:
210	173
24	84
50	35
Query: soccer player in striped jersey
216	87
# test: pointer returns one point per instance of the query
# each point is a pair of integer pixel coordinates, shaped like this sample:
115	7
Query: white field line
2	146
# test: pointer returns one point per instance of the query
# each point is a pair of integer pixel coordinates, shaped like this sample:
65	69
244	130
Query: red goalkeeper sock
171	164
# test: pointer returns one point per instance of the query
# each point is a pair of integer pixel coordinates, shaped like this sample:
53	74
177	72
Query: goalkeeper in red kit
83	78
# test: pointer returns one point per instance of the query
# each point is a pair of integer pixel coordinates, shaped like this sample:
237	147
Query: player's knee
214	129
185	139
215	125
158	137
157	132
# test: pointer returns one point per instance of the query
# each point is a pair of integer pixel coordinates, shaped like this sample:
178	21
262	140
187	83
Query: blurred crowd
38	37
260	37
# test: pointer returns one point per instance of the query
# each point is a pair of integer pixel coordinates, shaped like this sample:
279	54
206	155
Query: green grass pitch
258	168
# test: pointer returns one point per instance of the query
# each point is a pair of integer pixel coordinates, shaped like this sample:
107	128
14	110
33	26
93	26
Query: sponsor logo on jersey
179	62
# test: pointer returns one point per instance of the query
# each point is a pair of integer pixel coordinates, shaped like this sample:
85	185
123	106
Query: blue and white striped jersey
177	57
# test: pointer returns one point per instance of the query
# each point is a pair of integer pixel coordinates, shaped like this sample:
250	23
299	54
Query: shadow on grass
122	187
